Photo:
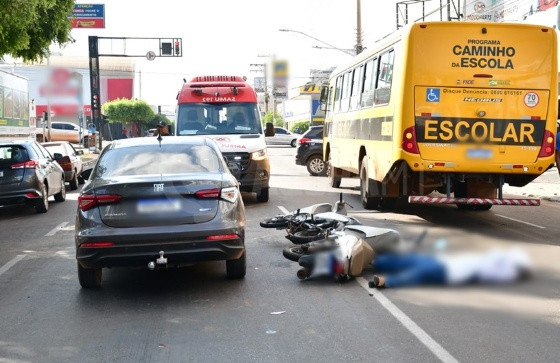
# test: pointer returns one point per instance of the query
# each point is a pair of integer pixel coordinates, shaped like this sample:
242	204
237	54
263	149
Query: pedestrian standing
124	133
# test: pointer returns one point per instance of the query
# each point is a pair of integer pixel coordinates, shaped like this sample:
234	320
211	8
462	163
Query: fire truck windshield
218	119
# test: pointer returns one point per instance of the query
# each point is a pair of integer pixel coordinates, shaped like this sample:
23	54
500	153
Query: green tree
28	27
269	117
126	111
300	126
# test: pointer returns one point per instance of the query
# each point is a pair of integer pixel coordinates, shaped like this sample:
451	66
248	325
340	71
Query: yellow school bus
457	108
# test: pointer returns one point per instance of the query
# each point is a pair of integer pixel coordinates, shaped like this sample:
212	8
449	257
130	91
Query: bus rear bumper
528	202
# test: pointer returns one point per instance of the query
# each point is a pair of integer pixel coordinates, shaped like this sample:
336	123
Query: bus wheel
368	202
334	181
388	202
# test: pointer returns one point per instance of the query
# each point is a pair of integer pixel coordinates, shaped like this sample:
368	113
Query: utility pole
263	68
359	46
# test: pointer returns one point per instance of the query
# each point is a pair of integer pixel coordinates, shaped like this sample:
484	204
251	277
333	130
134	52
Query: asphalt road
195	314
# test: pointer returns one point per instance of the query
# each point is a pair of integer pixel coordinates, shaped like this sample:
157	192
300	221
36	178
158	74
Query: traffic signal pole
94	85
167	47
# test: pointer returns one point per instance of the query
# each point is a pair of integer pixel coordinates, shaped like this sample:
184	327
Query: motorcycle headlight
259	155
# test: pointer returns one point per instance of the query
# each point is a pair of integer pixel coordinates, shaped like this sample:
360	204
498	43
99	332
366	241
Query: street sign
150	55
88	16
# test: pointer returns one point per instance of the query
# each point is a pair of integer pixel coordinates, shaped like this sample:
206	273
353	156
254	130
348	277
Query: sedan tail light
208	194
88	201
65	163
228	194
222	237
29	164
96	244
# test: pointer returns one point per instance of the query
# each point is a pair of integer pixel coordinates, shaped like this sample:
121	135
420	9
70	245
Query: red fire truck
225	109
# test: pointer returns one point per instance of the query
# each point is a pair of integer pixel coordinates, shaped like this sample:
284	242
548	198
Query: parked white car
282	137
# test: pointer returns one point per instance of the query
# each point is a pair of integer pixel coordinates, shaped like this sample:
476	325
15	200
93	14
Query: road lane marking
11	264
410	325
53	231
283	210
520	221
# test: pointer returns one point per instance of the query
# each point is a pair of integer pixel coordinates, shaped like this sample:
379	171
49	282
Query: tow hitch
161	262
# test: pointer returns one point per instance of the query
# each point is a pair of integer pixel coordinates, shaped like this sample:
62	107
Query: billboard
259	84
499	10
88	16
280	79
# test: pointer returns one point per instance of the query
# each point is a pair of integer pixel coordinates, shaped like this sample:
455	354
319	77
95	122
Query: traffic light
95	104
177	48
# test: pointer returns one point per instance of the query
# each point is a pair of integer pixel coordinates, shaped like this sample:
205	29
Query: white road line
53	231
517	220
410	325
11	264
283	210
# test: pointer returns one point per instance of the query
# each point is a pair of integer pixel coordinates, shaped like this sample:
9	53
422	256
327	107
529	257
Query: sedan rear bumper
177	253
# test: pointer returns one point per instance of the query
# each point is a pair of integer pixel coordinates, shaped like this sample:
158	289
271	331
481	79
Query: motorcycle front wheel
275	222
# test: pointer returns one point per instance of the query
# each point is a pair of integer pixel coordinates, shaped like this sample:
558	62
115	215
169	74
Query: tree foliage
300	127
269	117
126	111
28	27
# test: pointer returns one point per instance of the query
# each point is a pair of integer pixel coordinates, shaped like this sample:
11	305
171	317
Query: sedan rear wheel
293	143
89	278
74	181
42	205
236	269
61	196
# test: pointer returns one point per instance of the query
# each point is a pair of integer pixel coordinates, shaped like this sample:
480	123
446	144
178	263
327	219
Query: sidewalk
546	186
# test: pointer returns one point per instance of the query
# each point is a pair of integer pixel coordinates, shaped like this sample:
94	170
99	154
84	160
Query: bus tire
334	181
368	201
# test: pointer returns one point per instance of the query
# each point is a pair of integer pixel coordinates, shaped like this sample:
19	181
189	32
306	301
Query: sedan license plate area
479	154
149	206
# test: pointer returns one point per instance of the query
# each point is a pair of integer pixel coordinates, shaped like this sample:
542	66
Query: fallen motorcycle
343	254
283	220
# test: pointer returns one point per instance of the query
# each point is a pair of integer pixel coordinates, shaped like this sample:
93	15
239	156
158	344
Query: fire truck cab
225	109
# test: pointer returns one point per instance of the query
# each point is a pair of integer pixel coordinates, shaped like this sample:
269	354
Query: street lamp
319	40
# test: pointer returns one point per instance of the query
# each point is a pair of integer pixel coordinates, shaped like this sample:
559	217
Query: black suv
310	151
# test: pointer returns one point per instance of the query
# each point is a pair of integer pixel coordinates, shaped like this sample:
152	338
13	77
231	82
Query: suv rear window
12	154
314	133
153	159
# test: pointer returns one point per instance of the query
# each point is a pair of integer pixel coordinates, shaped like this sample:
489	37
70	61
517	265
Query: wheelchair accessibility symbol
432	95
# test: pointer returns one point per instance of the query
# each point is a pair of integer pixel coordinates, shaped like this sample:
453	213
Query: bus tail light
409	141
547	148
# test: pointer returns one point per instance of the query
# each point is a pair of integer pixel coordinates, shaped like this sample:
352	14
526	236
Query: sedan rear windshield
12	154
153	159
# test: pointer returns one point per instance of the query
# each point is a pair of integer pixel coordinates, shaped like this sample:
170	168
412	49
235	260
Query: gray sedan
158	204
29	175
